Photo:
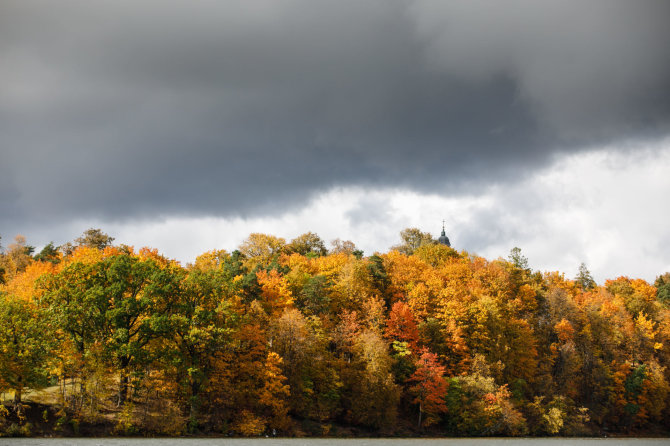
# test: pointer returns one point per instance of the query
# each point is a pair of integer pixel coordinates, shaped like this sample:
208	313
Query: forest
289	338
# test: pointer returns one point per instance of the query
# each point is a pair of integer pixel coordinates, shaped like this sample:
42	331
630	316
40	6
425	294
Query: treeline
289	338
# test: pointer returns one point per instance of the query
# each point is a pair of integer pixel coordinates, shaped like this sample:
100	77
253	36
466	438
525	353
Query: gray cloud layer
122	109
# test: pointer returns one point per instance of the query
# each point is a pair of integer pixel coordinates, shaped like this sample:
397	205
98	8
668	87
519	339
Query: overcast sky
187	125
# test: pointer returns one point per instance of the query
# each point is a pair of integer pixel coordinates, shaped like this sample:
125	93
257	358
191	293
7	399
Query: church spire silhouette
443	239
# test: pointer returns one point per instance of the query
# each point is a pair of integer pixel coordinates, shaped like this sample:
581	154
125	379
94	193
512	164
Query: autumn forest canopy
296	338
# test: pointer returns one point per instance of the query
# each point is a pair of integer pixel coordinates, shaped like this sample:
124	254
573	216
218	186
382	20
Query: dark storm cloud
127	109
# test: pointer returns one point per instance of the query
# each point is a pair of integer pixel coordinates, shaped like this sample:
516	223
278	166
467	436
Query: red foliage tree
401	326
430	387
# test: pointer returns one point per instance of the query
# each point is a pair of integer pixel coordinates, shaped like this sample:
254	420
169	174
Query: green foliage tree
412	239
200	326
26	343
662	284
308	244
518	260
49	253
94	238
378	274
314	296
140	300
120	302
584	278
91	238
76	297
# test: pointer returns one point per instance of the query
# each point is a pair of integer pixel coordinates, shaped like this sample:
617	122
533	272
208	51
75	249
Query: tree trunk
124	382
62	383
123	388
195	403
